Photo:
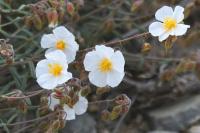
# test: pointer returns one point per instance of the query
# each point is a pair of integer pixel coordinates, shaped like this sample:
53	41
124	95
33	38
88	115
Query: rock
194	129
157	131
177	116
82	124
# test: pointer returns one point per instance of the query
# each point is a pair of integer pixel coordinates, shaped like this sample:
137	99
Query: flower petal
64	77
48	40
63	33
70	55
104	51
73	45
57	56
178	14
156	29
41	68
81	106
91	61
115	78
52	102
164	12
118	61
164	36
69	112
181	29
97	78
47	81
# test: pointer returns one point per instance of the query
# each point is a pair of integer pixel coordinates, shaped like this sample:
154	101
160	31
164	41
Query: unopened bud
136	4
116	112
28	21
37	22
146	47
70	8
105	115
56	125
6	51
108	26
122	99
52	17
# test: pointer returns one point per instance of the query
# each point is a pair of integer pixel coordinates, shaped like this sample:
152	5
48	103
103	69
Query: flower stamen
61	45
55	69
169	23
105	65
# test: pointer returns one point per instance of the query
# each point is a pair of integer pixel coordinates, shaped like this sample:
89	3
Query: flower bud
37	22
122	99
146	47
108	25
70	8
105	115
117	110
28	21
6	51
52	17
136	5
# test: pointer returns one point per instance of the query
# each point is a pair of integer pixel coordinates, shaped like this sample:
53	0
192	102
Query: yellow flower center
60	45
55	69
105	65
169	23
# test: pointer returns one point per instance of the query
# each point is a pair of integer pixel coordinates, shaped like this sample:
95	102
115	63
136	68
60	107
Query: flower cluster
105	66
71	102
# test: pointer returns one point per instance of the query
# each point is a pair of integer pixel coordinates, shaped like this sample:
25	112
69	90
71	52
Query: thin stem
29	121
101	101
23	97
111	43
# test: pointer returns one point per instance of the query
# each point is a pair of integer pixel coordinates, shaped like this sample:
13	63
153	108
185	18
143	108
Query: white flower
106	66
79	108
169	23
52	71
61	39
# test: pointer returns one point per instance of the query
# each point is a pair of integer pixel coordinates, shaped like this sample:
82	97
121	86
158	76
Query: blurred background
164	88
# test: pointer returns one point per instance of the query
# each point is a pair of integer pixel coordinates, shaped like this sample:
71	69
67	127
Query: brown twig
111	43
29	121
23	97
101	101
